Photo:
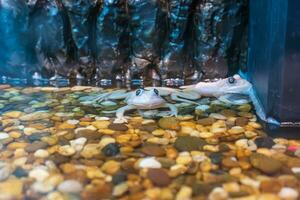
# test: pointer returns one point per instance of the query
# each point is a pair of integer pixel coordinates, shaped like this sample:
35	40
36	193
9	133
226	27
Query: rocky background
100	39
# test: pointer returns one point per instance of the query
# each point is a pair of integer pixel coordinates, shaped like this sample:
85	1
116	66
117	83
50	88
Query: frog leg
173	109
120	114
186	96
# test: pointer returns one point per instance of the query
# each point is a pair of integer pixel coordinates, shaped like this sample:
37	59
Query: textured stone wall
114	38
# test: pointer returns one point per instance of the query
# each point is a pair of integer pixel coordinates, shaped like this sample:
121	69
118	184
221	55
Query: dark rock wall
113	38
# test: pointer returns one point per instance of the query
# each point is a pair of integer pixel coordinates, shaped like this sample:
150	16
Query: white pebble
39	173
287	193
3	136
72	121
102	118
296	170
5	171
70	186
41	153
218	194
78	143
42	187
149	163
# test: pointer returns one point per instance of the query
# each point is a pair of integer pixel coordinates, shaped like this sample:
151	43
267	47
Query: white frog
143	99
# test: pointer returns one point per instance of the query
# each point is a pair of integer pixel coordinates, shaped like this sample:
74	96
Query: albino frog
234	84
143	99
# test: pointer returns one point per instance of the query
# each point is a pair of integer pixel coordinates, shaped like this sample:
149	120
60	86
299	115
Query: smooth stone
119	177
189	143
264	142
153	150
111	149
78	143
217	116
4	136
170	123
35	116
264	163
120	189
206	121
149	162
229	162
287	193
218	194
5	171
66	150
118	127
39	173
97	191
31	148
216	158
11	189
270	186
41	153
20	172
159	177
149	127
42	187
13	114
241	121
70	186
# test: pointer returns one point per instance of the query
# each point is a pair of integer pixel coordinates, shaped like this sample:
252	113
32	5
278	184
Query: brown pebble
149	127
153	150
36	146
100	191
270	186
159	177
206	121
118	127
241	121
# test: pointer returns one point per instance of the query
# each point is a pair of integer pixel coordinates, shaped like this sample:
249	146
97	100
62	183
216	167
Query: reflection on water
53	146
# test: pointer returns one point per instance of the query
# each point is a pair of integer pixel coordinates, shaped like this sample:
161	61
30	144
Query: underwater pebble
70	186
149	162
287	193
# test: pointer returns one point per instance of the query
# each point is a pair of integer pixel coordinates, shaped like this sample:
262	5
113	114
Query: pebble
118	127
42	187
149	162
184	193
111	149
70	186
66	150
35	116
218	193
39	173
20	172
206	121
159	177
41	153
153	150
189	143
5	171
287	193
31	148
120	189
11	189
170	123
119	177
264	163
264	142
3	136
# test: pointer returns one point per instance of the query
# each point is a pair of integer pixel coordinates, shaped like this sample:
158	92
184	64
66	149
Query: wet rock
11	189
120	189
287	193
270	186
118	127
35	116
36	146
264	163
241	121
149	162
149	127
153	150
99	191
264	142
206	121
169	123
189	143
159	177
70	186
216	158
112	149
5	171
19	172
119	177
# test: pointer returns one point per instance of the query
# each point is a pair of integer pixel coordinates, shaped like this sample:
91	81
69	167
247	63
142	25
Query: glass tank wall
122	39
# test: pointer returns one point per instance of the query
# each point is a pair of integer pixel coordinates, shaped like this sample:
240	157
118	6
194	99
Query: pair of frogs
153	97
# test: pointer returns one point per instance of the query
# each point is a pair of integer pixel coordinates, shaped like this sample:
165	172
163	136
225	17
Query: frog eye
138	92
231	80
156	92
